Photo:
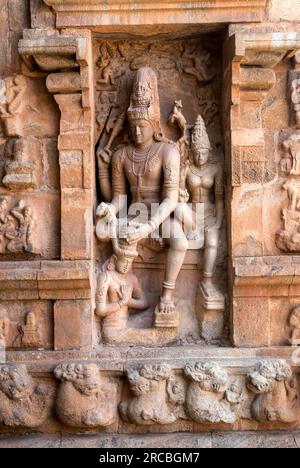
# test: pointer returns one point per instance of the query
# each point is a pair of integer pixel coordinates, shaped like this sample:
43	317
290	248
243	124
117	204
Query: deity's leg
210	253
178	245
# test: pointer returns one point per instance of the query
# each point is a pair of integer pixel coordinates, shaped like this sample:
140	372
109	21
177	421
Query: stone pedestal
210	315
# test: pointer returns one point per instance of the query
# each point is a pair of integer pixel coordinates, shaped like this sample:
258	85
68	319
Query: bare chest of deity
200	183
144	172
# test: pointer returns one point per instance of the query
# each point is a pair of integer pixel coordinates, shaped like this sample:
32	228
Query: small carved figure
3	223
23	402
19	173
11	109
277	397
30	332
202	67
84	399
210	398
294	322
288	239
295	96
20	239
119	290
292	146
158	396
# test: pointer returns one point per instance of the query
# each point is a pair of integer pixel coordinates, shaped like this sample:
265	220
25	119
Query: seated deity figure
150	165
118	289
203	180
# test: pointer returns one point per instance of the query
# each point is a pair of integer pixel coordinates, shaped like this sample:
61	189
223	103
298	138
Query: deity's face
89	385
18	385
124	264
142	93
200	155
142	132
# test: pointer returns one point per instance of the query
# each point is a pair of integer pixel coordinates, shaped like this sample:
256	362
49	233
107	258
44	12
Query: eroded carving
84	399
294	325
16	228
23	402
158	396
295	97
13	105
210	398
19	171
277	392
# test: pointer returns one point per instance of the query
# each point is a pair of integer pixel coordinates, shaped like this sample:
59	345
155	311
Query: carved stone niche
277	391
26	325
21	156
157	82
85	399
23	402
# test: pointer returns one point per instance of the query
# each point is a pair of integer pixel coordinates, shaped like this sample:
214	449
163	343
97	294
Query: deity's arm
171	171
103	307
119	201
219	196
104	178
138	300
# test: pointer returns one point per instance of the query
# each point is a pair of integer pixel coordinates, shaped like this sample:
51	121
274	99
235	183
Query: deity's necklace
139	157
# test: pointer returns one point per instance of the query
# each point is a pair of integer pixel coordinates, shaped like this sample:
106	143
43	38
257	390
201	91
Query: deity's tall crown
200	137
144	102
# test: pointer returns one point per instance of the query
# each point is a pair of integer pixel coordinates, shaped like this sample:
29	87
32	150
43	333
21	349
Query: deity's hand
137	232
104	156
125	295
105	210
183	196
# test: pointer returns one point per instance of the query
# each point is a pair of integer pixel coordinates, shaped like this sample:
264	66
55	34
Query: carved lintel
87	13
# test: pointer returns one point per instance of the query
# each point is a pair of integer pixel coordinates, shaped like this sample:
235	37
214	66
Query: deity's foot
166	315
212	298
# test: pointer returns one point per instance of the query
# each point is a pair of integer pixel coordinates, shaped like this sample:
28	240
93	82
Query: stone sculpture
277	392
84	399
151	167
16	228
23	403
294	324
210	398
157	396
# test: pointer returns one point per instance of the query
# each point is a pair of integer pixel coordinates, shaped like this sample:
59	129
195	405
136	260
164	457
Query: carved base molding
225	439
135	390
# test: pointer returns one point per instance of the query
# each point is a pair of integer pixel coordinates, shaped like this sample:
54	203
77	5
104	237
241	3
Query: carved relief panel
159	145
